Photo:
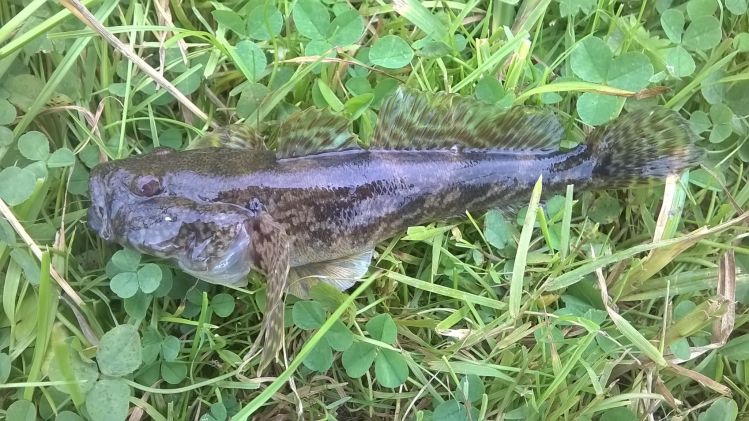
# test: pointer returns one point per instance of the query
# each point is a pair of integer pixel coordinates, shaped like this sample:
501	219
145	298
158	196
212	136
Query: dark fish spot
255	206
602	167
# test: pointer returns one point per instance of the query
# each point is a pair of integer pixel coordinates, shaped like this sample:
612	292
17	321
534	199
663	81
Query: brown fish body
314	210
340	203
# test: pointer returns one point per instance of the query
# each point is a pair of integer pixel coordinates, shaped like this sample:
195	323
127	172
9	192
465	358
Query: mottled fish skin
247	208
339	203
211	241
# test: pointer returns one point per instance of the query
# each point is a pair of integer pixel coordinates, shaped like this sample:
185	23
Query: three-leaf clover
605	210
593	61
99	384
34	146
309	315
721	117
19	183
168	348
572	7
312	20
497	230
391	52
460	408
391	368
222	410
130	277
702	33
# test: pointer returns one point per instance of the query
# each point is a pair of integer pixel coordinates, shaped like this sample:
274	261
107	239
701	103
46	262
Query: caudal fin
642	146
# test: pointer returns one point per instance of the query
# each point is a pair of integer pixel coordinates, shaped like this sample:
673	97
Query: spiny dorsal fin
313	131
410	120
237	136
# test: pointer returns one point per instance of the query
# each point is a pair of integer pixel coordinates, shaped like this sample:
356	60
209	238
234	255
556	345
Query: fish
313	209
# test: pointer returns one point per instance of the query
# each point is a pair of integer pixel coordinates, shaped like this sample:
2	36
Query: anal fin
341	273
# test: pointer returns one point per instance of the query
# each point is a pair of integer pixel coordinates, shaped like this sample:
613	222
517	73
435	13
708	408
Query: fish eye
147	186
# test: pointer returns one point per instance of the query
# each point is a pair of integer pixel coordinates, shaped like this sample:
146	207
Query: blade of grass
701	379
517	65
80	11
160	93
61	72
417	14
618	401
564	240
625	327
492	62
679	199
530	13
260	400
482	369
276	96
723	327
7	30
10	297
21	40
61	355
447	292
518	269
681	283
576	275
21	231
46	310
704	314
195	386
669	200
573	87
570	363
201	332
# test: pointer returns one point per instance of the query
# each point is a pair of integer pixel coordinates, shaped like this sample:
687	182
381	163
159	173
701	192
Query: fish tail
641	147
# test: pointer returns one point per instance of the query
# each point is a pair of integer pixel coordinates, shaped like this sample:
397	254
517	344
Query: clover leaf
309	315
593	61
391	368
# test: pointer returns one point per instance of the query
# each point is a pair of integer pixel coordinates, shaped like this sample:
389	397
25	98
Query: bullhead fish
314	209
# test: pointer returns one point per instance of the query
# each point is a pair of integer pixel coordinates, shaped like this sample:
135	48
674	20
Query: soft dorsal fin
313	131
410	120
237	136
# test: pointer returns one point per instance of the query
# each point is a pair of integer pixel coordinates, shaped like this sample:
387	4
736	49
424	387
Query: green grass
613	305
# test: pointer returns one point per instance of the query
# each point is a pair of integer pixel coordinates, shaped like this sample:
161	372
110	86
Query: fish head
115	184
210	241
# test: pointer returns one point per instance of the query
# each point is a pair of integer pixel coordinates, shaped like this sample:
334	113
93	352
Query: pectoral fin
340	273
270	255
